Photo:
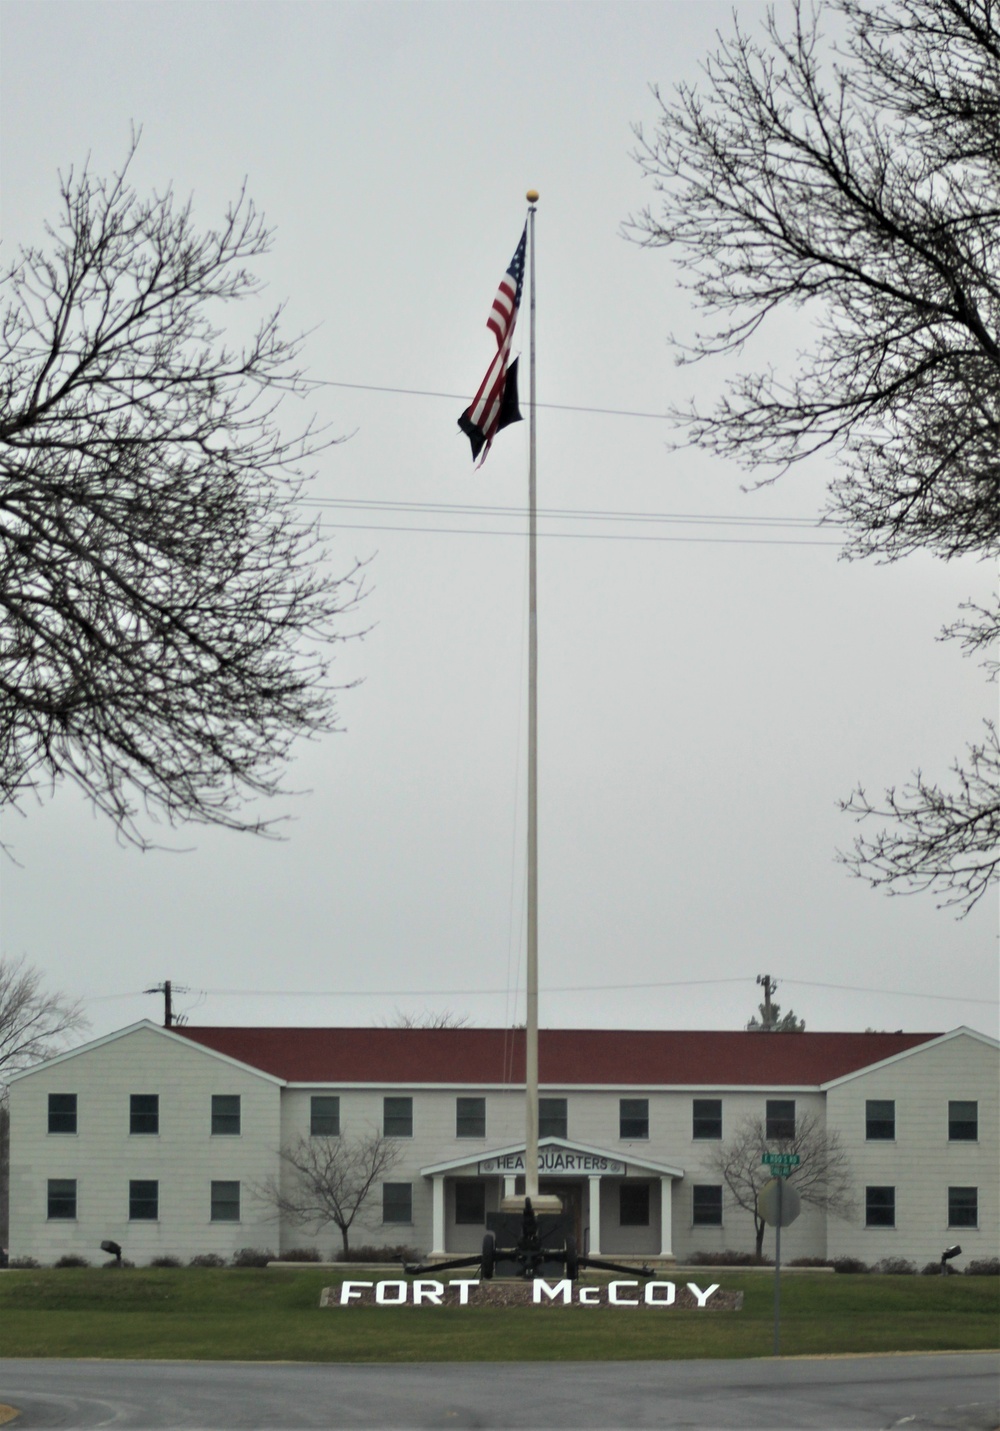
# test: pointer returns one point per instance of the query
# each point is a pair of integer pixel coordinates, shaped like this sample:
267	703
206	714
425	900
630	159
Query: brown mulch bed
502	1292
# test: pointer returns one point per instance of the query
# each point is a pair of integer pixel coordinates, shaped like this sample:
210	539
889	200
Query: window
397	1201
880	1207
397	1122
143	1201
963	1122
470	1118
633	1205
470	1204
706	1205
633	1118
553	1120
225	1202
62	1197
706	1118
880	1120
324	1116
144	1113
62	1113
963	1207
226	1115
780	1119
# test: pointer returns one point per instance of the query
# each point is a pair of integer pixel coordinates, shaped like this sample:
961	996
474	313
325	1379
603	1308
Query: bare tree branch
34	1023
165	611
859	187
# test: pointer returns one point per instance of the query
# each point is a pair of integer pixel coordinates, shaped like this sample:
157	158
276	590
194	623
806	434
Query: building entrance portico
618	1207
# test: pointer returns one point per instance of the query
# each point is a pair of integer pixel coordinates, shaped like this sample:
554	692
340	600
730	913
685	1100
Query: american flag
495	404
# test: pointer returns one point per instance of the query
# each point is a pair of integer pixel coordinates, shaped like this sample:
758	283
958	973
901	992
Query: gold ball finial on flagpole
532	196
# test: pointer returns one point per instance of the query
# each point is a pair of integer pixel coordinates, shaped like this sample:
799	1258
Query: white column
666	1217
595	1216
437	1215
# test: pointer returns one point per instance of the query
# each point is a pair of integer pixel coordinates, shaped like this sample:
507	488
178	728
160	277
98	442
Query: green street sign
781	1160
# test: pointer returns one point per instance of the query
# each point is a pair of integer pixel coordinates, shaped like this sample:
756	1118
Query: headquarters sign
556	1160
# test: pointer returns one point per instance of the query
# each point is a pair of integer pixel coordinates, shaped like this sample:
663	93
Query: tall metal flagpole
531	1030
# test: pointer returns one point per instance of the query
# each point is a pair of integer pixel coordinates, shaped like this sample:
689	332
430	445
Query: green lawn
246	1314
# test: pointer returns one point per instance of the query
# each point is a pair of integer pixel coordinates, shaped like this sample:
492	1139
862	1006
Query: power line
464	397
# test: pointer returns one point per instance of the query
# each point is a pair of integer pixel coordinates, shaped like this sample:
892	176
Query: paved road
955	1393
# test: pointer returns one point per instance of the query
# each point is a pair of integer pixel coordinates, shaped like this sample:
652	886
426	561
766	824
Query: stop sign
778	1203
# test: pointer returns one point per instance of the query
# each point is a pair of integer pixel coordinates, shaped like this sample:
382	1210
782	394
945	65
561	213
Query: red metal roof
633	1058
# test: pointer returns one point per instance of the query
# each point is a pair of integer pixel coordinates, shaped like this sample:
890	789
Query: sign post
779	1205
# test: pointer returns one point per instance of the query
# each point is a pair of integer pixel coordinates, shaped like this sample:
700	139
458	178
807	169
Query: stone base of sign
516	1292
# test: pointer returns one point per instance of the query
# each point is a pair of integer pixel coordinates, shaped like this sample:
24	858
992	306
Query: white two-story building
162	1140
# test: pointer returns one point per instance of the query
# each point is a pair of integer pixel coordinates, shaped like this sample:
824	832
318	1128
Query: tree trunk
760	1226
344	1230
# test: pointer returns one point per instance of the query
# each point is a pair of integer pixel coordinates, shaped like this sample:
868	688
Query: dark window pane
706	1118
226	1114
880	1119
633	1205
143	1201
706	1205
324	1115
397	1114
62	1112
963	1121
470	1204
633	1118
553	1121
144	1113
963	1207
62	1197
880	1207
225	1202
780	1119
470	1118
397	1202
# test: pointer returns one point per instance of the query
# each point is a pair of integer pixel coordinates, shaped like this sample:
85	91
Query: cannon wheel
488	1260
572	1259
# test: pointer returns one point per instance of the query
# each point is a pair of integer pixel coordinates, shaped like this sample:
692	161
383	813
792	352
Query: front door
572	1201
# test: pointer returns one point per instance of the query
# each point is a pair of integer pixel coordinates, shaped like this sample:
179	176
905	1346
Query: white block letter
702	1297
348	1292
429	1291
563	1289
382	1293
589	1296
463	1284
667	1301
615	1301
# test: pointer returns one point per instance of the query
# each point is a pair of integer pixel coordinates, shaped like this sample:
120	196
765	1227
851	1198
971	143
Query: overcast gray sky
708	688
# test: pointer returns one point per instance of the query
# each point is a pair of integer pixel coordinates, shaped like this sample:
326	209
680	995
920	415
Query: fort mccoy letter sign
471	1292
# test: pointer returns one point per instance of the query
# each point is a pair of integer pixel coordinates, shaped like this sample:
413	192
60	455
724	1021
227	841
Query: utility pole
167	990
769	986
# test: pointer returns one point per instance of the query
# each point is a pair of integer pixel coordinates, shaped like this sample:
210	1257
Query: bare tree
822	1178
34	1022
165	612
858	184
429	1019
329	1180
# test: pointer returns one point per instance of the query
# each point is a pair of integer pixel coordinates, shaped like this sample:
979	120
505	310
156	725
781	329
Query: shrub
400	1253
895	1267
113	1262
810	1262
72	1259
980	1267
931	1269
253	1257
728	1258
166	1261
207	1259
850	1264
25	1264
301	1254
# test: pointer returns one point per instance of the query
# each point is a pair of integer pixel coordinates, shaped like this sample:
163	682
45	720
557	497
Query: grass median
260	1315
